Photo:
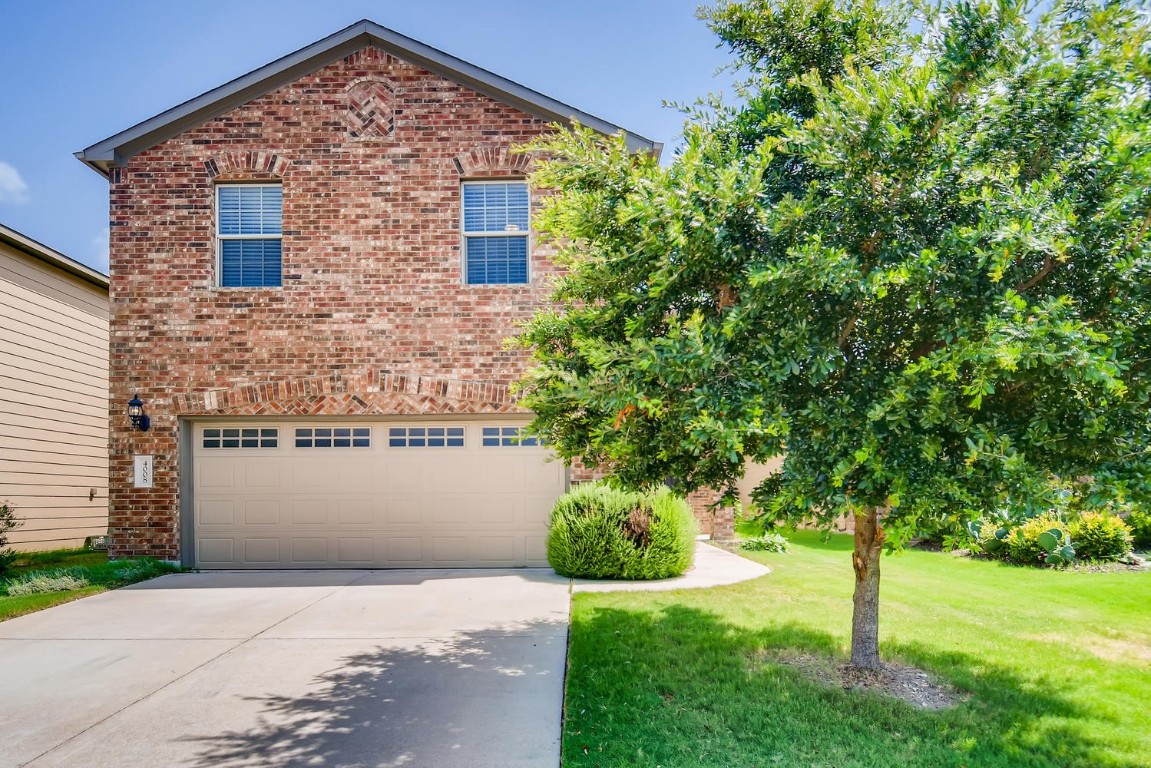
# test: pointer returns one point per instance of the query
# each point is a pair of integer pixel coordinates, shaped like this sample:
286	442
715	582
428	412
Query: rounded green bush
1100	536
1023	543
598	532
1139	521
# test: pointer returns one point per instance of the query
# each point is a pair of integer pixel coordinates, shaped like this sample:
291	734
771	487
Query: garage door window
242	437
333	437
508	436
426	437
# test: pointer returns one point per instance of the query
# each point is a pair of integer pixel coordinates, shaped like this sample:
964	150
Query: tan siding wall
53	403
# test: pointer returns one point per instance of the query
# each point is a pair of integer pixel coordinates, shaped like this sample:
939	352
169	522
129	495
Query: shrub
8	523
600	532
1027	543
1100	536
1139	521
769	542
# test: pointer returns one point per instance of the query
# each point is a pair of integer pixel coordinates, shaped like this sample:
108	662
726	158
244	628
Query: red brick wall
372	317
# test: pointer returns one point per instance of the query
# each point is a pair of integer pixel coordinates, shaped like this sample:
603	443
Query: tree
913	262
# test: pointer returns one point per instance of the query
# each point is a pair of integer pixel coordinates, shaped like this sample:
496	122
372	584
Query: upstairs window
249	230
495	232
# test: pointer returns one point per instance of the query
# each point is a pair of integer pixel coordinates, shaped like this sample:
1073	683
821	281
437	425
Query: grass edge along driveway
93	567
1055	668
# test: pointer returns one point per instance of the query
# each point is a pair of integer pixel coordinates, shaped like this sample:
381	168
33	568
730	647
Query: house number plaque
143	472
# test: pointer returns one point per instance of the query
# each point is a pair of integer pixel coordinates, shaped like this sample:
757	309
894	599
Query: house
53	394
314	268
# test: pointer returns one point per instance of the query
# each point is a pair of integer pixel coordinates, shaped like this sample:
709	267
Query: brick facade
373	317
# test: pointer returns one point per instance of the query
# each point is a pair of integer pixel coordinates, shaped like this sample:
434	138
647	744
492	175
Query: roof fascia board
116	149
36	250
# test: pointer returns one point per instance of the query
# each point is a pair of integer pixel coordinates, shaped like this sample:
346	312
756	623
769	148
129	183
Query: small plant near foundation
8	523
769	542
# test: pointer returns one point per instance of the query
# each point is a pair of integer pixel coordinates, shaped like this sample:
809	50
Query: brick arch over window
488	162
373	393
254	162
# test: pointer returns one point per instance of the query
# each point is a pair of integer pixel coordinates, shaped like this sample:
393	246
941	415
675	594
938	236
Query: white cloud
99	244
12	187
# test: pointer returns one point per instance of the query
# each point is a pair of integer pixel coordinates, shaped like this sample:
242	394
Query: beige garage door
416	494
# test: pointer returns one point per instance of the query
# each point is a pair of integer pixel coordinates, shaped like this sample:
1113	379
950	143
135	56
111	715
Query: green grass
27	562
1056	668
94	567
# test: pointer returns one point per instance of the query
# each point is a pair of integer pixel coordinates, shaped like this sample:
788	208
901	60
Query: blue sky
74	72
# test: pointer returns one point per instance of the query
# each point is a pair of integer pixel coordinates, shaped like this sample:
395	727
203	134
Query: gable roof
36	250
114	150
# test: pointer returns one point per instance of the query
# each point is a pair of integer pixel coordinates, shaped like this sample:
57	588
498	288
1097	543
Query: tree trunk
869	538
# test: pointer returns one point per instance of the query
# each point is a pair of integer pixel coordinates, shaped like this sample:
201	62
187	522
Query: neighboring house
53	394
314	268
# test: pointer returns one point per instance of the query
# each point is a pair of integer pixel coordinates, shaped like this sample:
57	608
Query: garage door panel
263	474
259	512
356	550
450	550
308	512
404	511
538	508
355	511
312	473
214	473
216	552
212	512
404	475
384	505
264	551
536	550
495	549
477	509
311	551
404	550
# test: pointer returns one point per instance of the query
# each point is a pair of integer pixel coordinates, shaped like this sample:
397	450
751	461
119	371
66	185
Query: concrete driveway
330	668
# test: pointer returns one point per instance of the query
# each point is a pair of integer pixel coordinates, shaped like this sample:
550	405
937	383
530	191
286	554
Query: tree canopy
912	261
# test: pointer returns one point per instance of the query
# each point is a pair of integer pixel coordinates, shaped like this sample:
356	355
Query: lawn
94	567
1054	667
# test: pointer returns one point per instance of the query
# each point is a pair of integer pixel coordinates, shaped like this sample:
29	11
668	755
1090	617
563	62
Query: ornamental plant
912	260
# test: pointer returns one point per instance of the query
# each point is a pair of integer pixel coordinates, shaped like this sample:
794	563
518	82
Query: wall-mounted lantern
136	414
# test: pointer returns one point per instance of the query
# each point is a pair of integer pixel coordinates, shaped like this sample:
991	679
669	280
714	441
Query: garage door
418	494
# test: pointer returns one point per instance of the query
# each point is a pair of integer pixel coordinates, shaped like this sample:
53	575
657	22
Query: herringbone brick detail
370	394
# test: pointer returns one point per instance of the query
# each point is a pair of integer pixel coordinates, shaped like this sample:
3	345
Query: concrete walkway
334	668
713	567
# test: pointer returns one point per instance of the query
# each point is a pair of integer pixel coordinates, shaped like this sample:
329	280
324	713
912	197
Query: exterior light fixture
136	414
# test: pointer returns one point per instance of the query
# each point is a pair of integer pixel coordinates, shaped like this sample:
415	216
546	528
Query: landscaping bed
39	580
1043	668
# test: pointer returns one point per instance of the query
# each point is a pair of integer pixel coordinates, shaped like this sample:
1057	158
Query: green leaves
914	262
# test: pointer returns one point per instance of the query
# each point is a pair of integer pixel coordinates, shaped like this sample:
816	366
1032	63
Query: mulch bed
898	681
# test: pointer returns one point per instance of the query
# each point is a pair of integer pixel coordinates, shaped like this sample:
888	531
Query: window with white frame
496	217
494	437
333	437
241	437
249	235
425	437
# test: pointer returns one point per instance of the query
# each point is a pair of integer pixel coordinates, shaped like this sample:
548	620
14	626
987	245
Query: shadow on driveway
467	701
